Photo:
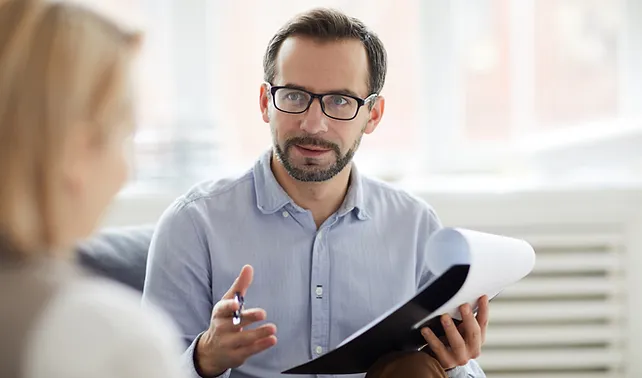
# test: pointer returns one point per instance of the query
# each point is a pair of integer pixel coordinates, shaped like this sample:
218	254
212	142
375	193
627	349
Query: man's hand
464	342
225	345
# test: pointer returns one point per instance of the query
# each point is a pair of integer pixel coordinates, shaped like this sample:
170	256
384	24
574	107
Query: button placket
320	306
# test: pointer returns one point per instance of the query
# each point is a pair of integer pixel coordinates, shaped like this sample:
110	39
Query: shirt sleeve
428	224
97	330
178	277
470	370
190	365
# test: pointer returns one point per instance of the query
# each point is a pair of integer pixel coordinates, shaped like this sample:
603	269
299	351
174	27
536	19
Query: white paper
495	263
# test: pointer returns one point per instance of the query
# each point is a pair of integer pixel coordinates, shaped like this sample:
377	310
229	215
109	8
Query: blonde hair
62	67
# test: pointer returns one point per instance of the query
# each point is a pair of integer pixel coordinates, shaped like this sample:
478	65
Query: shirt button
318	350
285	214
319	291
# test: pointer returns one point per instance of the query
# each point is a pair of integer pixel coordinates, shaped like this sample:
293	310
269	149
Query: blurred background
521	117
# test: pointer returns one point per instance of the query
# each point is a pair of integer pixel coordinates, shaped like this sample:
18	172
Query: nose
314	121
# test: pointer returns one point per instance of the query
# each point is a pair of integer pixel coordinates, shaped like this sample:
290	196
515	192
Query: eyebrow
344	91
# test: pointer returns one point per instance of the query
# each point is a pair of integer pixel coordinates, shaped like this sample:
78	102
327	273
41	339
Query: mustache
311	141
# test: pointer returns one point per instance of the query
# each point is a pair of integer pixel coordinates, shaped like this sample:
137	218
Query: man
327	249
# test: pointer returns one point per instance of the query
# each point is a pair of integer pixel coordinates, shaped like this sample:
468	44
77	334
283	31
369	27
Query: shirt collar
271	197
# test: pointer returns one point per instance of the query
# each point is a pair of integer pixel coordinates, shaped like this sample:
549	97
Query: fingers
243	353
249	337
258	346
464	342
225	308
242	282
226	345
482	316
455	340
248	317
471	332
440	351
234	348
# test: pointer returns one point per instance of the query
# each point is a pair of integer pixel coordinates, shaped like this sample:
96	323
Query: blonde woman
65	116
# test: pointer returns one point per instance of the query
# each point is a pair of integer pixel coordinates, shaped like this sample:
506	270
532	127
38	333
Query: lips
311	151
313	148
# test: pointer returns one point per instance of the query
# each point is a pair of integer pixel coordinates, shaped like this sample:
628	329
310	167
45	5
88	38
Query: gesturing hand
225	345
464	342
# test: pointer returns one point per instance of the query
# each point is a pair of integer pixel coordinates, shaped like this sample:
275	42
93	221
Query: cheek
124	160
128	155
284	125
121	170
346	134
106	175
116	168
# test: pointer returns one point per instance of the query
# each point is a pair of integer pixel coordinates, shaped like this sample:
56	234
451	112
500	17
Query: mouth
311	151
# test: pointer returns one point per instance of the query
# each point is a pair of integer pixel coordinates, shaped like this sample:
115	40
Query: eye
338	100
294	96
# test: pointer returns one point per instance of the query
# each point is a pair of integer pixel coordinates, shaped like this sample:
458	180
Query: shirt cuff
470	370
457	372
189	362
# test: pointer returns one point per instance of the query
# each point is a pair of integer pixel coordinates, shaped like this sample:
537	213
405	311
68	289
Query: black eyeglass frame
360	101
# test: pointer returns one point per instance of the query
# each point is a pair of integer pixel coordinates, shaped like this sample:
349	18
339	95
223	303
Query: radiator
566	319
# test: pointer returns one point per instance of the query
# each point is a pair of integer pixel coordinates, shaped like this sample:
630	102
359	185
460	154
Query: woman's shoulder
90	297
93	326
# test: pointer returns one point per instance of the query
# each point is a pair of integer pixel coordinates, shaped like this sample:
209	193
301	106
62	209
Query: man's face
312	146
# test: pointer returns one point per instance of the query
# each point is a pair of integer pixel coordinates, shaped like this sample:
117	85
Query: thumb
241	283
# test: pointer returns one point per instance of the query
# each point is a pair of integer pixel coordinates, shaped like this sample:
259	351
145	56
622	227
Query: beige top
57	323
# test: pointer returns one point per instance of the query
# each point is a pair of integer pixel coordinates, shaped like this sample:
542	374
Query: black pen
236	320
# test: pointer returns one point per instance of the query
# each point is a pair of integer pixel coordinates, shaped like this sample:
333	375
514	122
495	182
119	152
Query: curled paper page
495	262
466	265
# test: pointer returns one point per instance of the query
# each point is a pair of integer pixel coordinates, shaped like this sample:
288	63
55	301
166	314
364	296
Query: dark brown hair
326	25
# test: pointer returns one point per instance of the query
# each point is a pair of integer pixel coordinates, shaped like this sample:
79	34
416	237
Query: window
544	65
485	86
577	46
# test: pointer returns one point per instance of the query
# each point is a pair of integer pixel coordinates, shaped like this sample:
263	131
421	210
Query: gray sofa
119	254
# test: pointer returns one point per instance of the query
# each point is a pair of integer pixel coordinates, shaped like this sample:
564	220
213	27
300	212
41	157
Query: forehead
322	66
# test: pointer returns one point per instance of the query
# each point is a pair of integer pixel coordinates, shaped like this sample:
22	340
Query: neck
321	198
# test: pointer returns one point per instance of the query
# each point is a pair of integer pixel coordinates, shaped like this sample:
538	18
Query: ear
264	102
376	113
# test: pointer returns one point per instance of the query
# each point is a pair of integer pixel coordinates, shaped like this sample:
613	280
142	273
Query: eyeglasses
337	106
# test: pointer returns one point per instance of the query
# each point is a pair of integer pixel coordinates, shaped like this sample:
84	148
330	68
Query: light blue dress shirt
318	286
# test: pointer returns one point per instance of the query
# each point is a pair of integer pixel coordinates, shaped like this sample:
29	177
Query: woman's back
59	322
66	115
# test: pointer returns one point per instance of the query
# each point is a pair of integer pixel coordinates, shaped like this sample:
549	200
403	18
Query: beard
310	170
